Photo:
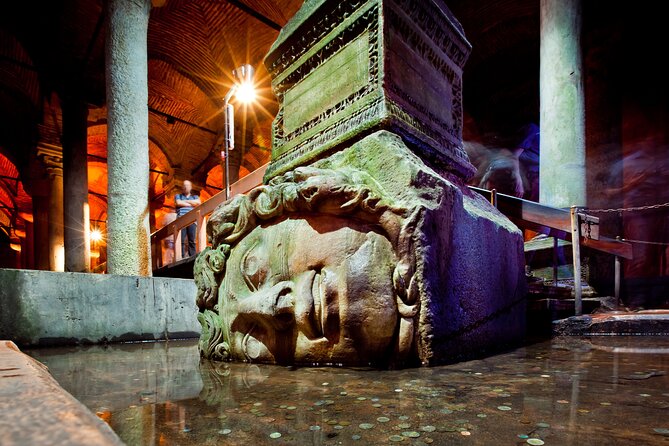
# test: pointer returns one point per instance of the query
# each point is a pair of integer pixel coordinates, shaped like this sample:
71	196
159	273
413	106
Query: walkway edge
36	410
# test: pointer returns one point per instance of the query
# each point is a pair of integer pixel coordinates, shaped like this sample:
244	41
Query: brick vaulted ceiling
57	47
193	47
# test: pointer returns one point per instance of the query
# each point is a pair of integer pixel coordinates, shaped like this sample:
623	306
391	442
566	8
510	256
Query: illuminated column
53	162
562	108
128	233
75	186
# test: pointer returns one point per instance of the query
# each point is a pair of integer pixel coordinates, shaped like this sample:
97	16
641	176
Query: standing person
185	202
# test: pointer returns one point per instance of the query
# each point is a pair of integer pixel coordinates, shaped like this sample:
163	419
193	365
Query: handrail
199	215
536	216
558	223
563	224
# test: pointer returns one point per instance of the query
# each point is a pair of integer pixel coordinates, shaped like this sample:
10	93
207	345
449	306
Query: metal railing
166	241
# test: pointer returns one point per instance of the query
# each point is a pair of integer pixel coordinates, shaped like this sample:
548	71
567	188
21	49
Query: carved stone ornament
315	267
342	70
364	246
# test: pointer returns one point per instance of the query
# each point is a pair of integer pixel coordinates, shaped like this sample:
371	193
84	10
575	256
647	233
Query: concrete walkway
35	410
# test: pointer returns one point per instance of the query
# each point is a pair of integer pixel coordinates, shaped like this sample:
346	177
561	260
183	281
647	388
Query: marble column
128	236
562	109
75	186
53	162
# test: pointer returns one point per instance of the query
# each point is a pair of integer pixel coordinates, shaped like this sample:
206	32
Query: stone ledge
52	308
646	323
37	411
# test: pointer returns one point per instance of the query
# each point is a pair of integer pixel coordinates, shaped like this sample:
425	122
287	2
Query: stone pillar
128	236
53	162
41	227
562	110
75	186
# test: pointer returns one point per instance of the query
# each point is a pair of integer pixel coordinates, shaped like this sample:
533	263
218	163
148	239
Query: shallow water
565	392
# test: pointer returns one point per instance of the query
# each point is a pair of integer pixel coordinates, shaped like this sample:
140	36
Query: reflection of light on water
557	392
653	351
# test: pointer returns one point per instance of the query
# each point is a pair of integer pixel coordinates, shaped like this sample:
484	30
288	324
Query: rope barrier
630	209
644	242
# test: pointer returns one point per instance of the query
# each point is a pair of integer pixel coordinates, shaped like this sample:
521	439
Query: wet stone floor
598	391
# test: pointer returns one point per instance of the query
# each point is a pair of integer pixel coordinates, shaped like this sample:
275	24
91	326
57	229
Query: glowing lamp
96	235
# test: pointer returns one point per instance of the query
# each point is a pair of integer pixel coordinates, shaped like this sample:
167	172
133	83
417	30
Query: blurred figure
645	183
511	171
529	160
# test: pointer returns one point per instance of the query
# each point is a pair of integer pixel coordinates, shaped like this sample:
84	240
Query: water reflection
565	392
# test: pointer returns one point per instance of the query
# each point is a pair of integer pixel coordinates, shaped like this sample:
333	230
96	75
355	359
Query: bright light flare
246	93
96	235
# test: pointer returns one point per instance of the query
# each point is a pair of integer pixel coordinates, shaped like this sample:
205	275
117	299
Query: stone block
342	70
47	308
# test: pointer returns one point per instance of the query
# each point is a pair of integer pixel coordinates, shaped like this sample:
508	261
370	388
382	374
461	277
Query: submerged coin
225	431
411	434
275	435
383	419
428	428
365	425
504	408
396	438
661	430
535	441
544	425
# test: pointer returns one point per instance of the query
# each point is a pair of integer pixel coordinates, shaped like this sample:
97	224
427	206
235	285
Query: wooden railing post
576	258
201	237
177	243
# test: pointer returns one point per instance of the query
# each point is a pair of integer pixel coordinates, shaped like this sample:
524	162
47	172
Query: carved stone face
314	289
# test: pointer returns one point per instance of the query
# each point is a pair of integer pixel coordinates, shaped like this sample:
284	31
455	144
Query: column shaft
56	242
75	186
128	237
562	110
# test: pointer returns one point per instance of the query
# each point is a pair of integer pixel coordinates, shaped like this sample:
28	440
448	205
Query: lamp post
244	90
